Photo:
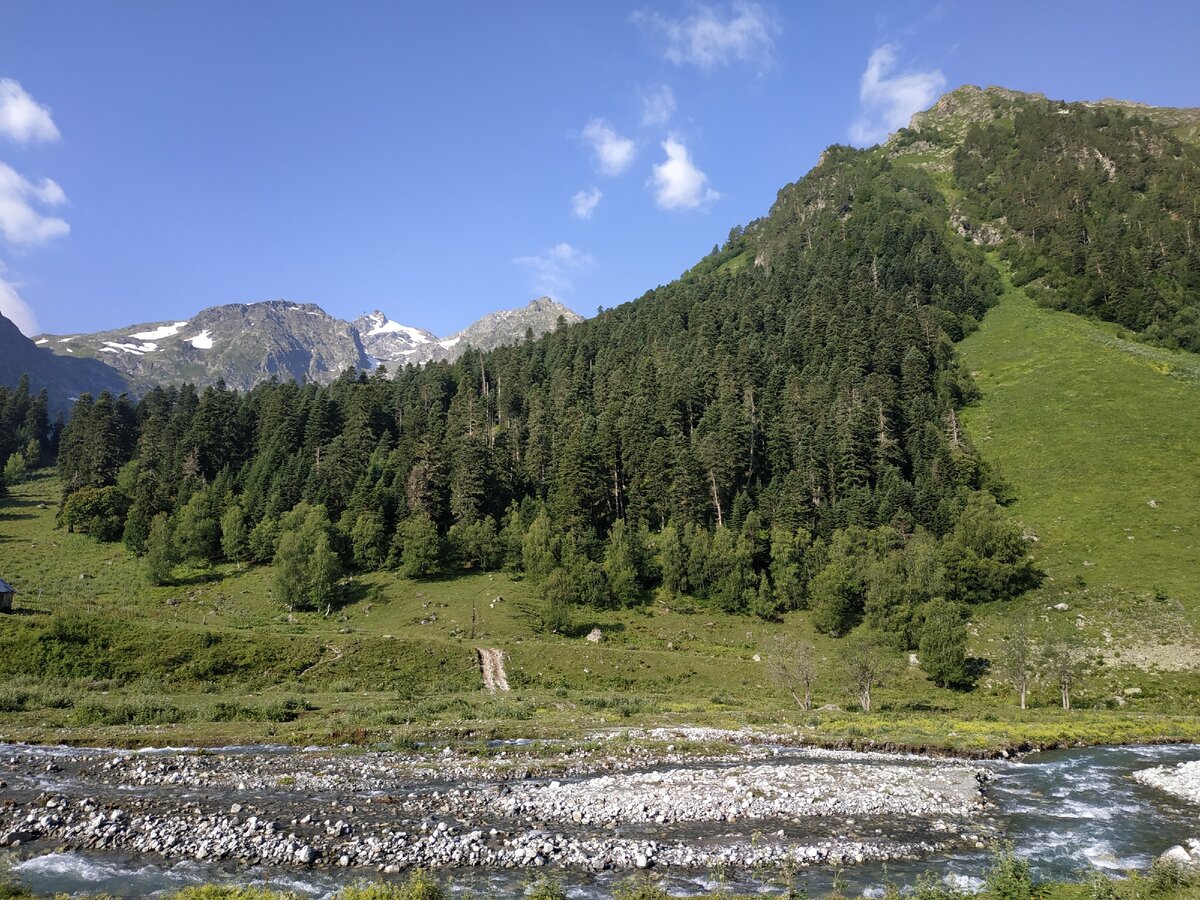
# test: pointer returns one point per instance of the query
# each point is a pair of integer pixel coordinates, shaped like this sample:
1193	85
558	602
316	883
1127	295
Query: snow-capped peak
381	324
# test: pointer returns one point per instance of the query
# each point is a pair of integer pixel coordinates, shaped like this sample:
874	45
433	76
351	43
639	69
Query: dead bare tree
1064	660
793	665
866	665
1017	661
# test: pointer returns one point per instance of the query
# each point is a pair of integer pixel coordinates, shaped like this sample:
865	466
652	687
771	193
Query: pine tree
539	550
420	546
623	563
198	529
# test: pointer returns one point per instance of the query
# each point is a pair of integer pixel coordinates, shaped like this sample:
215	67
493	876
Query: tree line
27	438
777	429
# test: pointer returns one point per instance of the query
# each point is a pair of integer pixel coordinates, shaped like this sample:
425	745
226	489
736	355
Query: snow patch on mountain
40	341
202	341
119	347
162	331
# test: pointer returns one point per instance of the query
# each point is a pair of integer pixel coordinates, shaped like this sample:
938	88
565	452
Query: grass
1098	436
1007	879
95	655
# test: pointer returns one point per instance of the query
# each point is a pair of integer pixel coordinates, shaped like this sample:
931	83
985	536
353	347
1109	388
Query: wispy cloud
678	184
710	37
22	221
553	271
613	152
658	105
888	101
584	203
22	118
15	309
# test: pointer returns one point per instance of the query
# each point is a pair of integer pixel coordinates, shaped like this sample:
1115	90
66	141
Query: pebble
419	809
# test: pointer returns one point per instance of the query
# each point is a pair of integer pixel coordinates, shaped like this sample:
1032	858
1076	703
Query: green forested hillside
808	436
780	436
1097	206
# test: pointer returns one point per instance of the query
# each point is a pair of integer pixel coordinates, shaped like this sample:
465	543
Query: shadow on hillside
354	593
195	579
20	502
23	612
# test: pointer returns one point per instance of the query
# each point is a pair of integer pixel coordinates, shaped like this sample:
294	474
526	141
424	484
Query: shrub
1009	877
546	889
1167	876
420	885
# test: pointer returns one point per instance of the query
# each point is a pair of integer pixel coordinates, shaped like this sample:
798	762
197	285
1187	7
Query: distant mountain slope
240	344
392	343
244	344
63	377
1094	204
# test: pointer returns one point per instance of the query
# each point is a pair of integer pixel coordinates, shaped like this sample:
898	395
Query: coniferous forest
1101	207
775	430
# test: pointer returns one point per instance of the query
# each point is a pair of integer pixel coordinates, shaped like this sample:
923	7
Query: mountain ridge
243	344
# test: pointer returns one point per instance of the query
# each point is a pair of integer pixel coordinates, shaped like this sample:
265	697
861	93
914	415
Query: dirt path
491	663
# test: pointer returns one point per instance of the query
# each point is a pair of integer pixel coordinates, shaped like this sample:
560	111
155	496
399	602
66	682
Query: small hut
6	595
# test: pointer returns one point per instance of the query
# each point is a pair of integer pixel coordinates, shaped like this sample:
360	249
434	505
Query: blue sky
442	160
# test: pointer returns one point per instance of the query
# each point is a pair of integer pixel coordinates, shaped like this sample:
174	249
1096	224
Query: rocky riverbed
611	804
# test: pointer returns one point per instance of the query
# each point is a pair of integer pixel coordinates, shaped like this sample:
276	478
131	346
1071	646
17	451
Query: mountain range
243	344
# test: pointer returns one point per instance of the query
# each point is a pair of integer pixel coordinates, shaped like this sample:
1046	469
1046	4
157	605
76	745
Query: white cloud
613	152
21	223
553	271
15	309
710	38
21	117
658	105
678	184
584	203
888	101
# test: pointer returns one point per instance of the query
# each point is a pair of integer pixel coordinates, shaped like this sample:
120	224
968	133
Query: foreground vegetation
1008	878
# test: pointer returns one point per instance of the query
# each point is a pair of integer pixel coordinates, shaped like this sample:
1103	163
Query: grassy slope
1091	428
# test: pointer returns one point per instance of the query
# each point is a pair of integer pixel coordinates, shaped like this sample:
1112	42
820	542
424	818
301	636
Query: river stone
1178	855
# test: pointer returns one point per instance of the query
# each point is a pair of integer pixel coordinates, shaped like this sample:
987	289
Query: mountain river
1068	811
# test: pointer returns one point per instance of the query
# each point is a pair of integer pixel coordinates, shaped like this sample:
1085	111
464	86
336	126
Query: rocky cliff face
240	343
394	344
